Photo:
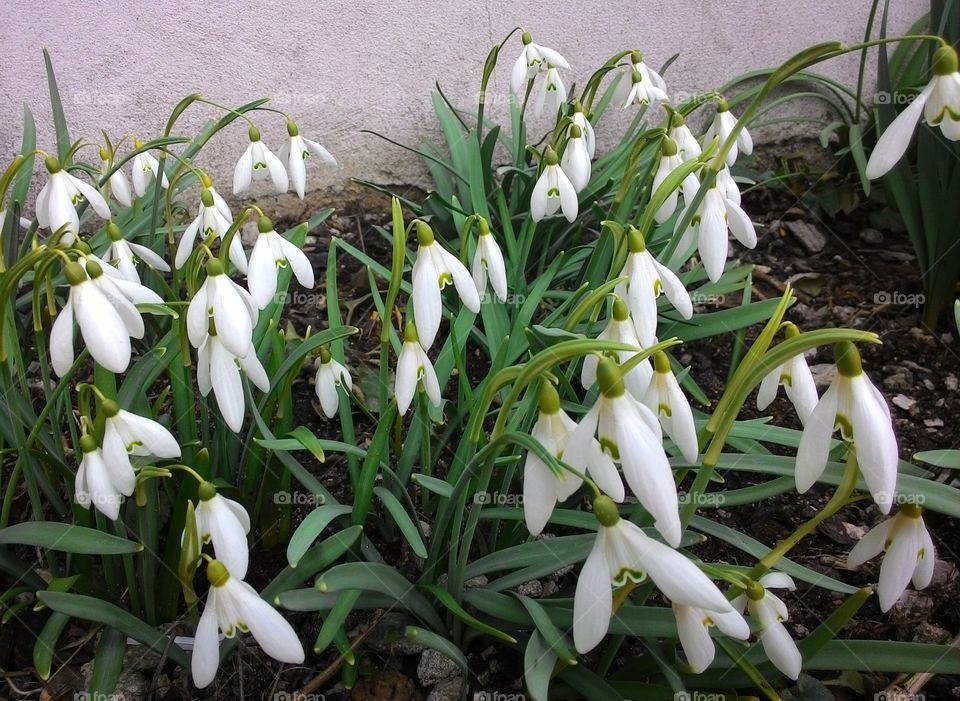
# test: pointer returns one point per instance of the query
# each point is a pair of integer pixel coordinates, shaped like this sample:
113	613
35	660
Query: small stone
901	380
807	235
435	667
951	382
387	636
927	632
447	690
533	588
871	236
933	423
808	283
904	402
928	383
823	374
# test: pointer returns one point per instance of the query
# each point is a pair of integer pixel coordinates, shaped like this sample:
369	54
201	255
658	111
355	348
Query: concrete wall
363	64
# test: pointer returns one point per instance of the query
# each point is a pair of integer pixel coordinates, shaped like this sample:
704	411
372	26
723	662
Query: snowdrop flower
693	629
646	280
629	432
722	126
650	76
218	368
667	401
234	605
126	434
620	329
100	483
433	270
728	186
209	222
854	405
330	376
530	61
104	329
206	182
256	163
542	488
225	523
795	377
552	93
57	201
576	159
414	367
296	151
580	120
624	552
909	554
125	253
145	168
938	102
119	185
488	260
231	308
643	91
714	216
270	253
770	612
670	160
553	191
687	144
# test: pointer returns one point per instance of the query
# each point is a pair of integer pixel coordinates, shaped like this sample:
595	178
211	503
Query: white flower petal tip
413	368
331	375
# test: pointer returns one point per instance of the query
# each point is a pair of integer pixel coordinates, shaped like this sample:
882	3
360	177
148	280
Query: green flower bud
52	164
911	510
847	358
550	156
549	399
110	408
206	181
206	491
668	147
424	233
253	133
93	269
264	225
113	231
214	267
606	511
83	247
755	591
206	198
410	333
610	378
325	356
104	154
790	330
635	241
636	56
527	38
661	361
676	120
484	227
217	574
636	76
74	273
722	105
620	310
88	443
292	128
944	61
575	132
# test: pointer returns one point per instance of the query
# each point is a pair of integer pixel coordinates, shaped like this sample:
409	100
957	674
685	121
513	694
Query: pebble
904	402
871	236
533	588
951	382
435	667
447	690
808	236
902	380
823	374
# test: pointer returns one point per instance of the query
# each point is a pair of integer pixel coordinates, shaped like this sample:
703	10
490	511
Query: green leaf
108	663
440	644
446	598
437	486
92	609
310	528
308	440
538	663
45	646
67	537
947	458
551	634
56	106
403	521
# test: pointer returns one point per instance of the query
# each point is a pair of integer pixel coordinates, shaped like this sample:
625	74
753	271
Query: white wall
346	66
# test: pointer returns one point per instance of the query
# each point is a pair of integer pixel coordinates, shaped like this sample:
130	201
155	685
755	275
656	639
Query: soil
864	277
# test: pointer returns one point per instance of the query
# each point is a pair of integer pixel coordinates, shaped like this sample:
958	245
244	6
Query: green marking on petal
664	409
444	280
553	192
610	448
306	153
628	574
846	428
259	165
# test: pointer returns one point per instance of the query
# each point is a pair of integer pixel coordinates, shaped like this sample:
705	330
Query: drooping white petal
593	600
205	658
61	339
893	142
781	650
270	629
694	636
102	328
242	173
814	444
227	386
